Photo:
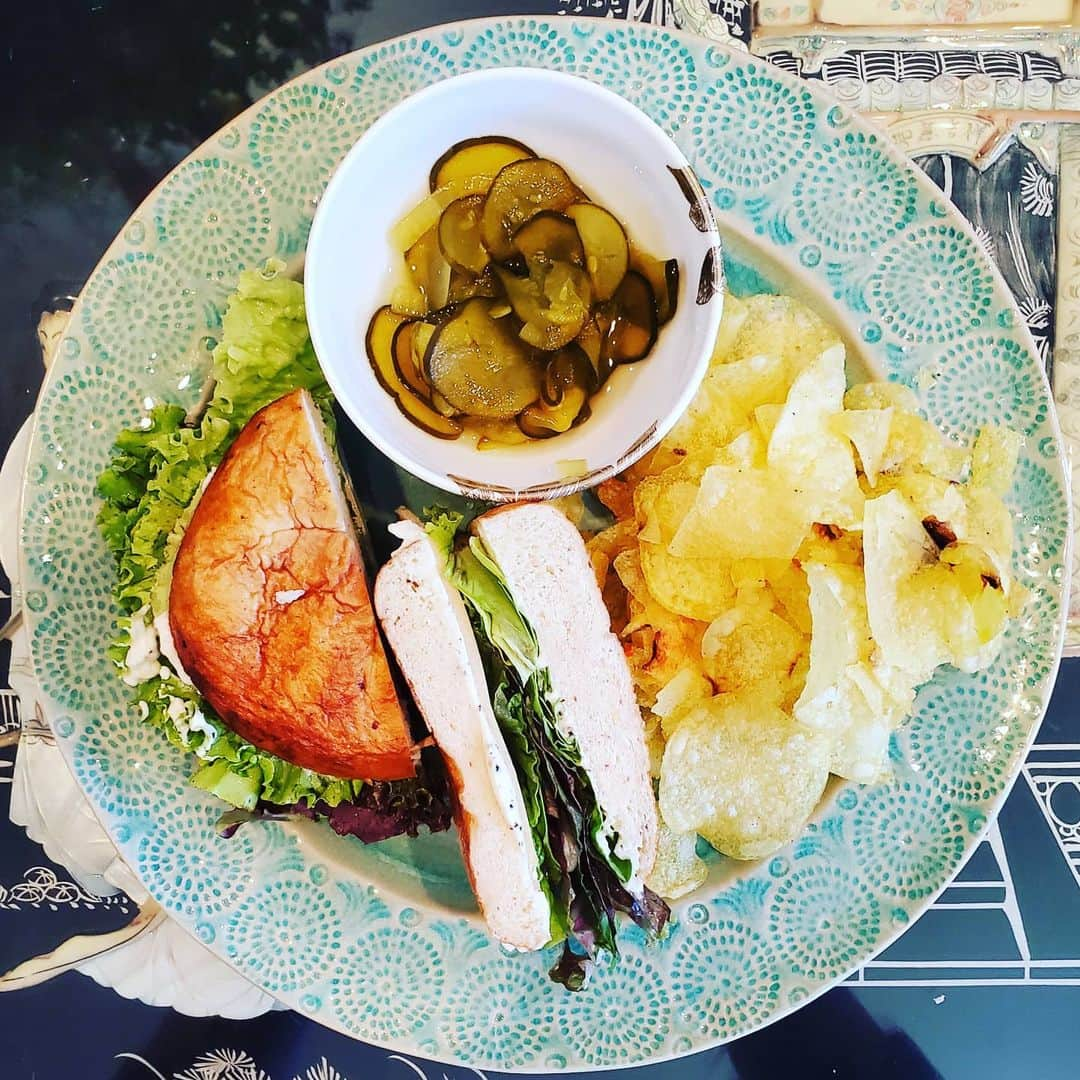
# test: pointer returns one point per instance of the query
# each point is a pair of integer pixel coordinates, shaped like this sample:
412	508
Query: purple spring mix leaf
379	812
573	970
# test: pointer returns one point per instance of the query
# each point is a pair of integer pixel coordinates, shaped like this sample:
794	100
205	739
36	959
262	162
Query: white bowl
623	161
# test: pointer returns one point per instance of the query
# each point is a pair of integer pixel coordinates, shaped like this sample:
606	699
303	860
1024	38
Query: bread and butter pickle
520	295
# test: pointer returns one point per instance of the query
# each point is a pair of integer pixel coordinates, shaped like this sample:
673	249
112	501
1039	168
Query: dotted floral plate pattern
847	216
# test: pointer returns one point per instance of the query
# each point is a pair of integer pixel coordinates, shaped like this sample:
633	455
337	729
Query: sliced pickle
424	416
439	284
429	270
569	380
520	298
485	156
541	421
426	213
442	405
408	347
437	318
465	286
521	191
421	340
663	278
607	251
515	265
550	237
408	299
522	293
379	342
591	342
459	235
493	433
568	368
628	321
480	366
552	302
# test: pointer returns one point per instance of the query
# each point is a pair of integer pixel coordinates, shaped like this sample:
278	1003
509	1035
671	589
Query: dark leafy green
376	812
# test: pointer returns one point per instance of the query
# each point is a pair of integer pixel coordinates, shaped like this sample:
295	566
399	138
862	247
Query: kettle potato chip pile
791	563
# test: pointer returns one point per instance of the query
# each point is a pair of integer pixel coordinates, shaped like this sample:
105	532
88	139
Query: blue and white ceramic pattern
379	943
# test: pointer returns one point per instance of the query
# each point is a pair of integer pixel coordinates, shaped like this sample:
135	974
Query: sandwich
269	608
247	632
506	645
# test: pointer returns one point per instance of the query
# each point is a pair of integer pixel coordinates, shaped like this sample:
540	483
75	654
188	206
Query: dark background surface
100	99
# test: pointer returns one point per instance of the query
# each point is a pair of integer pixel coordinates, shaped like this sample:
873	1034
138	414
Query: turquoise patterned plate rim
378	943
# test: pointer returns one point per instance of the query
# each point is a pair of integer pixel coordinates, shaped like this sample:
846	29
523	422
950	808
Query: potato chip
789	585
791	563
889	694
757	574
881	395
914	443
785	328
743	775
841	634
661	643
868	430
615	538
940	505
677	870
815	459
933	497
697	588
895	546
752	648
927	607
993	459
689	687
645	466
654	744
762	346
828	544
731	324
638	648
605	545
766	416
972	512
989	525
742	513
627	565
602	549
617	494
960	604
675	642
843	697
745	451
723	408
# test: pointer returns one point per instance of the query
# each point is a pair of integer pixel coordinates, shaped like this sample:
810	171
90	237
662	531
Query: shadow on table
835	1038
108	1038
